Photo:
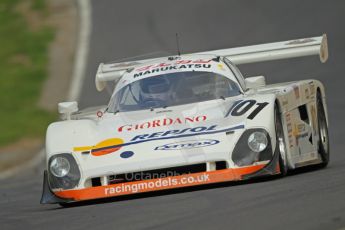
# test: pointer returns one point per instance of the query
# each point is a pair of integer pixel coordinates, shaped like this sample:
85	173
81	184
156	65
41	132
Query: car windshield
172	89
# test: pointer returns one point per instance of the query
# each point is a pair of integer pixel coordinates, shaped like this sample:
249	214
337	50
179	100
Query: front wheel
280	142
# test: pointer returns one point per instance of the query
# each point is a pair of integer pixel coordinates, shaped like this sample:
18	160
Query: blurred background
50	51
37	46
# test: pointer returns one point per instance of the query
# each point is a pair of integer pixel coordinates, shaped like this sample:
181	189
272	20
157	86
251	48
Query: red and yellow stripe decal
103	147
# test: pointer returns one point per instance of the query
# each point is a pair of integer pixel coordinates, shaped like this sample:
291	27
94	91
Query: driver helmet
155	88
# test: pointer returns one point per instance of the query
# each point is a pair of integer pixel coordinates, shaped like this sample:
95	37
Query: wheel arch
279	105
321	90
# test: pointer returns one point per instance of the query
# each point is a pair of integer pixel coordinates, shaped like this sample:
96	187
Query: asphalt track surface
308	199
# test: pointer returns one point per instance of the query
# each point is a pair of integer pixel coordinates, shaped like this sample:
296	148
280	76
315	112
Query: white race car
188	120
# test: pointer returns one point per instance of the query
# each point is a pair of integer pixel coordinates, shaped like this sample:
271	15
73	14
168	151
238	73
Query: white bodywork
144	133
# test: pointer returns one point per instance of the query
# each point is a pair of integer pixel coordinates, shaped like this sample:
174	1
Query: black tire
323	145
280	142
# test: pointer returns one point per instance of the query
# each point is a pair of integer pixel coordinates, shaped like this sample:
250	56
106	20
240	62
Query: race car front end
197	156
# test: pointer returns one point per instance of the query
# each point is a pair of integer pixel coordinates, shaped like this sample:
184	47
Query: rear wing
240	55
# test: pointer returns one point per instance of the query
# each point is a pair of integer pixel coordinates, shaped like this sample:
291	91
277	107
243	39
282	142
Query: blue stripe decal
172	137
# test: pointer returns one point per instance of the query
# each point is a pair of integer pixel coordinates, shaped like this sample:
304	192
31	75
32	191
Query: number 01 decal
241	107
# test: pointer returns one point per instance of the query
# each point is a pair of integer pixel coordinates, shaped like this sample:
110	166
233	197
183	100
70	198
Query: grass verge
24	41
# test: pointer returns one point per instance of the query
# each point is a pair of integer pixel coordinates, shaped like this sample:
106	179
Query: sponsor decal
114	144
313	118
296	91
176	133
239	108
221	67
158	183
191	144
175	67
170	182
304	135
301	128
174	58
102	148
127	154
161	123
306	92
299	131
289	128
178	62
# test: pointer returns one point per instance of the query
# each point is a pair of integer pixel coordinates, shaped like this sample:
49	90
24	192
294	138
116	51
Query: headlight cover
63	171
59	166
257	141
244	155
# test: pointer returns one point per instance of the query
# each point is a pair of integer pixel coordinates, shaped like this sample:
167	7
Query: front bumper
187	180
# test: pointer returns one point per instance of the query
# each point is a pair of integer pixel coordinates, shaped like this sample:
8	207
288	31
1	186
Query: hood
202	114
144	140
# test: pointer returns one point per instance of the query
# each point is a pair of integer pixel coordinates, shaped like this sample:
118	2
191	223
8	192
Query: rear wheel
323	145
280	142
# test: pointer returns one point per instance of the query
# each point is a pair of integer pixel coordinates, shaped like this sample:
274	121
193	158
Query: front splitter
186	180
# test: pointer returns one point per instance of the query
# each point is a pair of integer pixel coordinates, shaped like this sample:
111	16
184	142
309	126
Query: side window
130	95
303	113
236	72
124	96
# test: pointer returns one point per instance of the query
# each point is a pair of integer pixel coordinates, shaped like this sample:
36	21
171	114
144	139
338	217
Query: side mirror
67	108
255	82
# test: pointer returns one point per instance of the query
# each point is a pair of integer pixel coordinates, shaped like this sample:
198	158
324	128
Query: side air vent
303	113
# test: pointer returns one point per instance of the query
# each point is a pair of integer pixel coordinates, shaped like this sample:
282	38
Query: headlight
254	145
63	171
257	141
60	167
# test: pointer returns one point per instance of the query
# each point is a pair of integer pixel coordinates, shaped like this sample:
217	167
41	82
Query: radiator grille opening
96	181
221	165
157	173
